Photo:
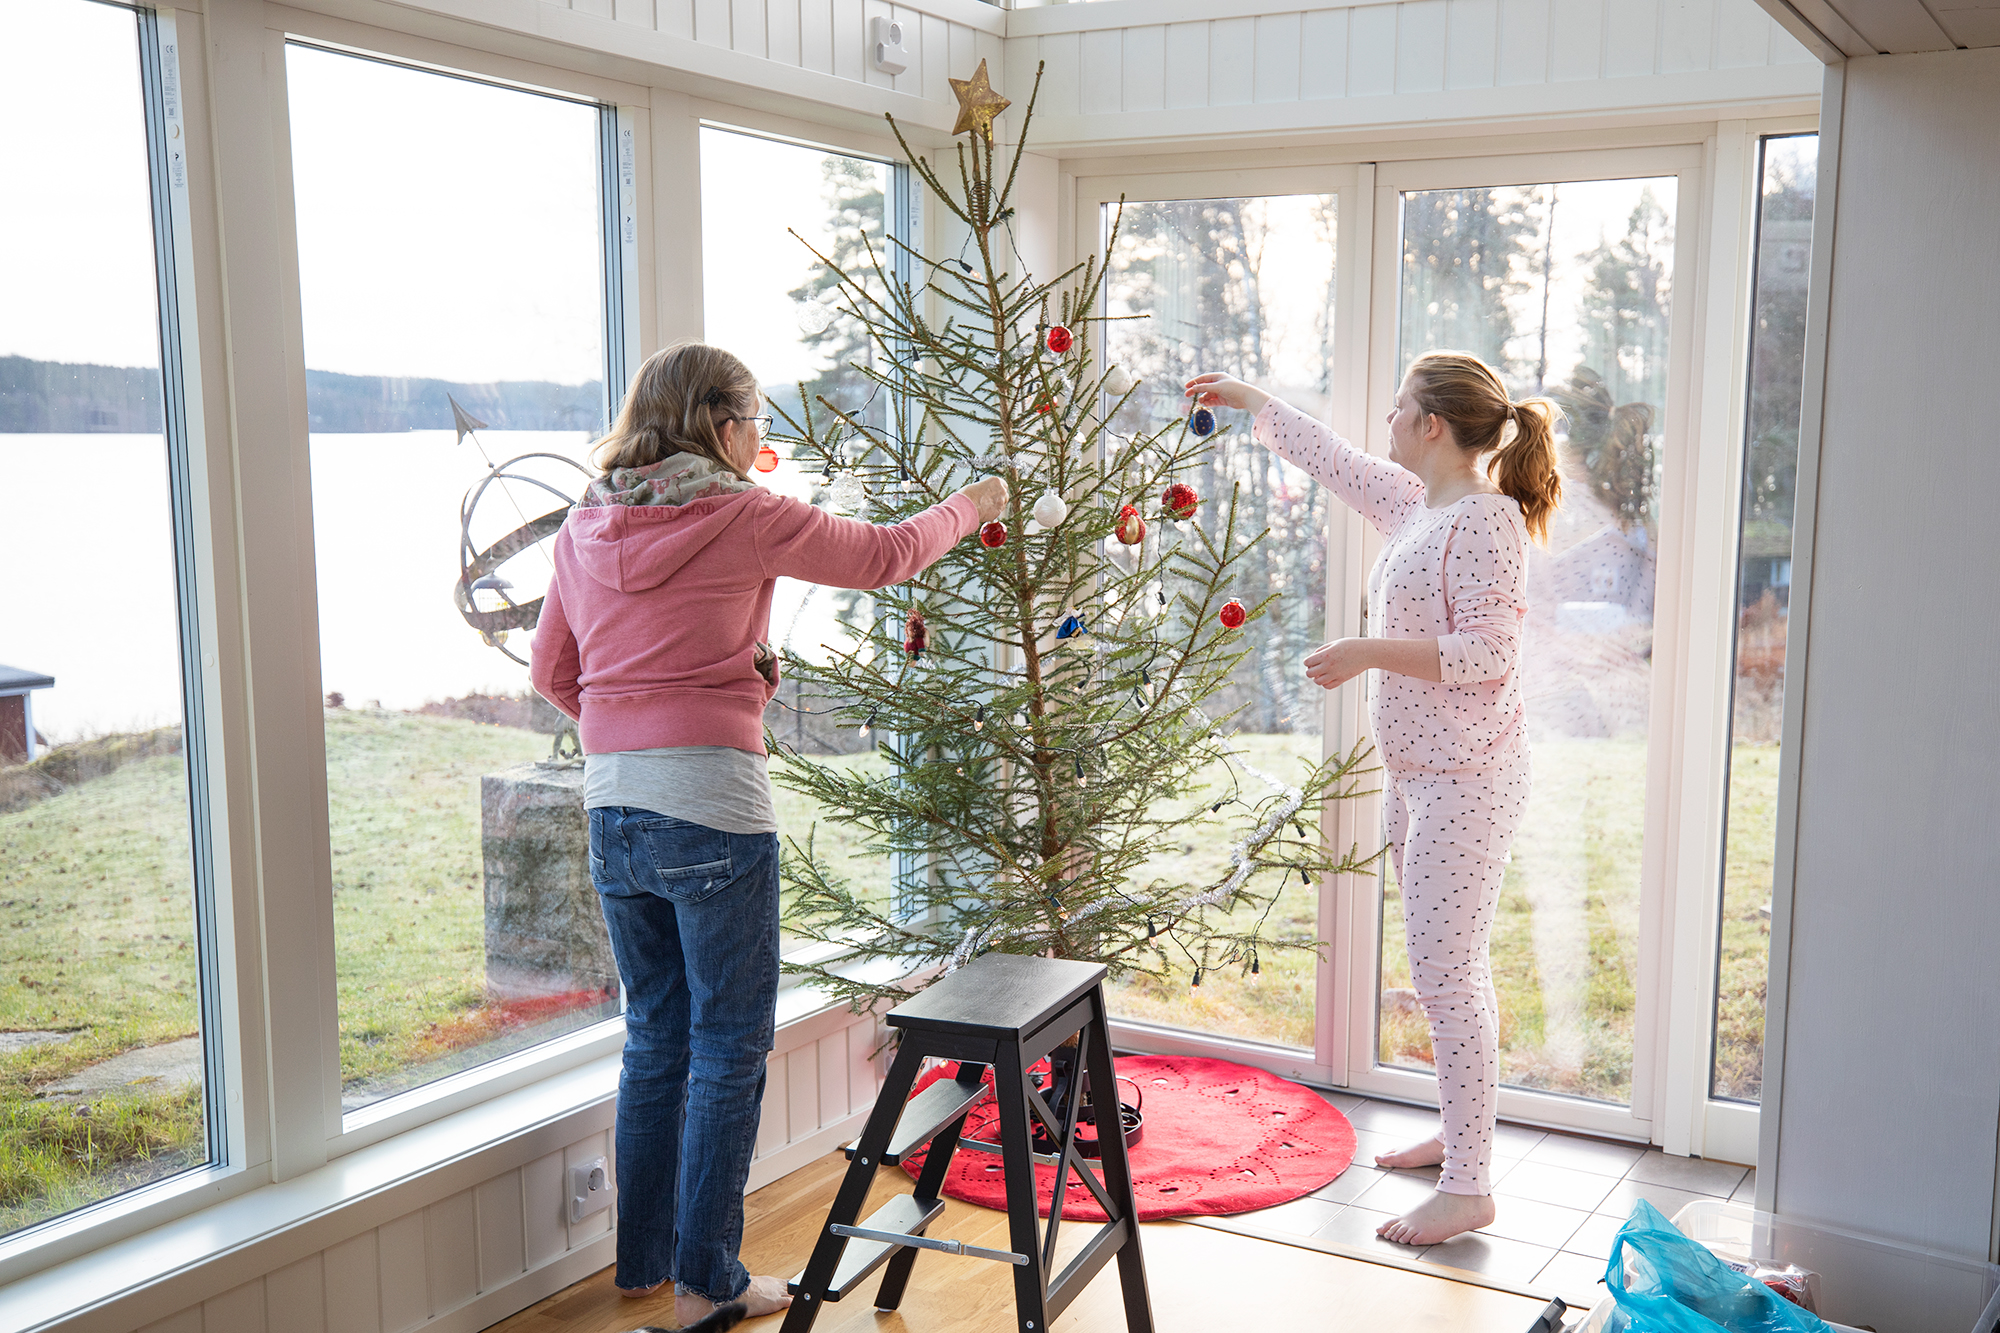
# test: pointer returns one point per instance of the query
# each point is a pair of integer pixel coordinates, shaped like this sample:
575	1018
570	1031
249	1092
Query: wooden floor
1202	1281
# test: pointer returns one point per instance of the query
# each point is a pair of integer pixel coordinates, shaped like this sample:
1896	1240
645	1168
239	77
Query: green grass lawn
838	847
1275	1005
96	936
96	941
409	907
1746	931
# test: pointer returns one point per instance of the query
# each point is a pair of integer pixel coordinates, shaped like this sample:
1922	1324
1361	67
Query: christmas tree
1043	697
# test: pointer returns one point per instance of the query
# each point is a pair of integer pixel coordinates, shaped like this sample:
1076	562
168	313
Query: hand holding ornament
988	496
1216	390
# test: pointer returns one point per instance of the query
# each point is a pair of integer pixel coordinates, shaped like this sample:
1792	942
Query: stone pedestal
545	933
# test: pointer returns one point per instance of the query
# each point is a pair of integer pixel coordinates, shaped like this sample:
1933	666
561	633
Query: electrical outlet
891	56
589	1189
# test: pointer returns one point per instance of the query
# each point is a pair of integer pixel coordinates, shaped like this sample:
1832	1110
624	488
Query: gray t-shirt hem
716	786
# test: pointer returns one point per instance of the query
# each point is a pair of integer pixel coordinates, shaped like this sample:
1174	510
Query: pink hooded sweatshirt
648	637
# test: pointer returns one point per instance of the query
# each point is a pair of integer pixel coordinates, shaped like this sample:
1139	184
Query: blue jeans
693	915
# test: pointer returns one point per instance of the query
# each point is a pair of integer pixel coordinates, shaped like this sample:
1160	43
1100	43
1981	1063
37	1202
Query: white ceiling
1886	27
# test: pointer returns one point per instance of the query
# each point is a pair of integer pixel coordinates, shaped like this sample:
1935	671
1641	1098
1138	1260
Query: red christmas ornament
767	459
915	637
1131	528
1045	405
1232	614
1179	500
1060	339
993	534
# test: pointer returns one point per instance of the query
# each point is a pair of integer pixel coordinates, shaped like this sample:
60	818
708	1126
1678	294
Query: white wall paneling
1416	63
778	55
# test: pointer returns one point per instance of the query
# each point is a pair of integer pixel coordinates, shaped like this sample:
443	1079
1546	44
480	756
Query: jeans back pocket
689	861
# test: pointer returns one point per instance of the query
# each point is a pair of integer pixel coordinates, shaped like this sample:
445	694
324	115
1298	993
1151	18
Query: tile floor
1560	1199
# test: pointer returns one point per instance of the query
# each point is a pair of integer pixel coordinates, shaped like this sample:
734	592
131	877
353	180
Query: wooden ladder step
925	1114
905	1214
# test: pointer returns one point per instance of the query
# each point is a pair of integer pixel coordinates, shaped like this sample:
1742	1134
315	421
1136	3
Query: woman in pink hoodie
653	637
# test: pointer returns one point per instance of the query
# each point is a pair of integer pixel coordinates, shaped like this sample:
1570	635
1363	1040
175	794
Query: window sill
457	1092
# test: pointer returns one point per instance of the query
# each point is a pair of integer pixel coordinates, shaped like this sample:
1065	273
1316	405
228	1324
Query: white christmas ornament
1050	510
846	495
1118	383
814	317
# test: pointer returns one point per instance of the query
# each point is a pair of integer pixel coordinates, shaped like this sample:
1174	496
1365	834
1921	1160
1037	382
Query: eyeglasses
762	423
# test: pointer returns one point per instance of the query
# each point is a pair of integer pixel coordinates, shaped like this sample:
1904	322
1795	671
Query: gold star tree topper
978	104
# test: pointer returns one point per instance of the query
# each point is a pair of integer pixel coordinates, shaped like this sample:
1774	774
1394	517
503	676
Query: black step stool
1006	1011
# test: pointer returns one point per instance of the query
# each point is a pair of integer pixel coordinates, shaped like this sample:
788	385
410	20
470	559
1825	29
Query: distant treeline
54	397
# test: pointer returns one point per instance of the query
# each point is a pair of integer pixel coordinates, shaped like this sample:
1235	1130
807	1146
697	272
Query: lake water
86	553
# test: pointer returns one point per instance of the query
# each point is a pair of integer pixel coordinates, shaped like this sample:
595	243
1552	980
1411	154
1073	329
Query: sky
78	284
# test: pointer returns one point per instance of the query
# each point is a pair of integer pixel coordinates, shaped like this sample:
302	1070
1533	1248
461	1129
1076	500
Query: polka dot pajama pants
1448	839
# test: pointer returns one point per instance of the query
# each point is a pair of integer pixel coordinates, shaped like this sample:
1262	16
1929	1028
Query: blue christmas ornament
1072	625
1201	421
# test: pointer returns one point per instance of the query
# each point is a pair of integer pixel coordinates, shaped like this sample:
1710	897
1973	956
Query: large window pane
1565	289
101	1057
1244	286
449	248
1763	601
771	302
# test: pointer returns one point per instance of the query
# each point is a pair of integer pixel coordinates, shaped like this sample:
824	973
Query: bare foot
636	1292
1439	1218
1428	1153
764	1295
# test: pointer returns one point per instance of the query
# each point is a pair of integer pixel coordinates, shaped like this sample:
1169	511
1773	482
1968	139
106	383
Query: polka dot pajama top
1455	749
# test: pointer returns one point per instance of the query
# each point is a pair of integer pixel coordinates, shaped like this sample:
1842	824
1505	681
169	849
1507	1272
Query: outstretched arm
811	544
1375	488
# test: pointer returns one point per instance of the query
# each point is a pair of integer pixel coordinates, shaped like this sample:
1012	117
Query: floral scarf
674	480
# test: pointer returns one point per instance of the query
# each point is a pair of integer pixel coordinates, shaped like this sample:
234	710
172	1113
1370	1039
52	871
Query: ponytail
673	406
1467	393
1526	468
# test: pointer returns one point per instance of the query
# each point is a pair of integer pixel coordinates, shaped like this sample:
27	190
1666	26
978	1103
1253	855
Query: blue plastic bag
1675	1285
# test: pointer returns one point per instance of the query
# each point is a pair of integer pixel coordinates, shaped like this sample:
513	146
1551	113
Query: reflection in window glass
449	249
768	300
1763	600
1244	286
101	1064
1565	289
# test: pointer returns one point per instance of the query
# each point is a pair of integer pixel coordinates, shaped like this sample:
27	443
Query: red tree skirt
1220	1138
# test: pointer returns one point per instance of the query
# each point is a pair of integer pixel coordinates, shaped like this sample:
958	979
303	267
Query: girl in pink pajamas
1445	603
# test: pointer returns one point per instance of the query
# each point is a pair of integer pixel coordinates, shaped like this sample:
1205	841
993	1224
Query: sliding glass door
1572	274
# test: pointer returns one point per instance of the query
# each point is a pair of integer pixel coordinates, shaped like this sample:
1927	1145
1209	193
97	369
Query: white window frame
1714	164
271	1025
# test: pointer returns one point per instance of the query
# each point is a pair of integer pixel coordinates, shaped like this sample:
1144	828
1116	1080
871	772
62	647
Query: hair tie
713	398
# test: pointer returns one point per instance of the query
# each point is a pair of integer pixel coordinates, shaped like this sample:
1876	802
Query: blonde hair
1467	393
675	405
